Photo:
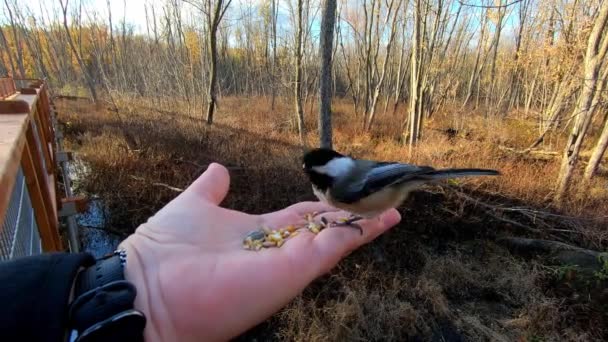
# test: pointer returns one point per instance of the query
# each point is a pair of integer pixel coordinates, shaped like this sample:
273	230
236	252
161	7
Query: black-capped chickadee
367	188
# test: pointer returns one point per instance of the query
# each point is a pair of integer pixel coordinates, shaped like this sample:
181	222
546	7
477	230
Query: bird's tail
455	173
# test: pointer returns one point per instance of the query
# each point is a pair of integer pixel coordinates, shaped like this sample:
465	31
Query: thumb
213	184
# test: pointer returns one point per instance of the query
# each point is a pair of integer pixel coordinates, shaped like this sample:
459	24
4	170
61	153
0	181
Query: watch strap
105	270
103	307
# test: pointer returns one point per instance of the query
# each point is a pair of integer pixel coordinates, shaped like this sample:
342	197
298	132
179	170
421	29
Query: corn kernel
268	244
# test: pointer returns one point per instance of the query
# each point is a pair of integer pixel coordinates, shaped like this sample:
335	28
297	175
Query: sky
131	10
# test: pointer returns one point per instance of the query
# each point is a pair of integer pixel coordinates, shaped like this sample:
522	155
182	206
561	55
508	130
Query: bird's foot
348	222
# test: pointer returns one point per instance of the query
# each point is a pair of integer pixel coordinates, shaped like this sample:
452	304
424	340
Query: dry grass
438	276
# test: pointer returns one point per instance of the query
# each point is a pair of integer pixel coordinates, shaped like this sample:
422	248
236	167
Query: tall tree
83	68
415	102
597	45
274	15
214	11
299	71
16	40
375	94
325	85
602	142
213	21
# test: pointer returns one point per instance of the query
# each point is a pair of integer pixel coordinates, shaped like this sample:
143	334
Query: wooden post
38	190
44	114
7	87
43	179
44	102
14	107
28	91
40	131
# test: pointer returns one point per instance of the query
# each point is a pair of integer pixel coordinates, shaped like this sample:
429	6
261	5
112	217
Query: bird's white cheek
320	195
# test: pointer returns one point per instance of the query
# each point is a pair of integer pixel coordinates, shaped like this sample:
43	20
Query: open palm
196	282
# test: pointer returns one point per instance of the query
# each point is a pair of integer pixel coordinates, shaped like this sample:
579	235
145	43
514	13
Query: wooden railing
7	87
28	169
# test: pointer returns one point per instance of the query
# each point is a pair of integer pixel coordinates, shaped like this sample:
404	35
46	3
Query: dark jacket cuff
34	295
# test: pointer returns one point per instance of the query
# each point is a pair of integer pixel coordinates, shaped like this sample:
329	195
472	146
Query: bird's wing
373	178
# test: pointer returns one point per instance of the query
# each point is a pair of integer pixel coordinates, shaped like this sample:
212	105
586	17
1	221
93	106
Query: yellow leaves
193	43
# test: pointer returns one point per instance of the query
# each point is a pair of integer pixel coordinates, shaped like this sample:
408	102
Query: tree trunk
214	22
476	68
380	81
298	81
596	51
415	98
596	156
325	84
602	143
273	86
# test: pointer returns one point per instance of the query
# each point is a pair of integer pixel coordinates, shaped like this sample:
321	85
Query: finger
304	208
334	242
213	184
295	214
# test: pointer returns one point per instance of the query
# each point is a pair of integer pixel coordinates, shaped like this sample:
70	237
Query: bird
367	188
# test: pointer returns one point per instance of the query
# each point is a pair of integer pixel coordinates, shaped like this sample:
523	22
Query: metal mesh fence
19	235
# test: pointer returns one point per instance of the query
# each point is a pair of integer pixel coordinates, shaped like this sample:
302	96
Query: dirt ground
448	272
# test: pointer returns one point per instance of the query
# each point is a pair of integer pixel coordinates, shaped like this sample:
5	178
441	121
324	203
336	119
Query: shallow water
93	238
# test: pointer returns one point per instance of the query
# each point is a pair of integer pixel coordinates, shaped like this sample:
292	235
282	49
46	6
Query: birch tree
597	45
602	143
392	12
415	104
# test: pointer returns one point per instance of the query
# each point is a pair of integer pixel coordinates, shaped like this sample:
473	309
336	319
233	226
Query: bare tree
274	17
325	85
375	95
596	157
9	54
88	78
597	46
415	110
214	11
298	80
602	142
18	48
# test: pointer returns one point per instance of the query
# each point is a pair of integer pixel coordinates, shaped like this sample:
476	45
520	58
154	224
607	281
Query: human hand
196	282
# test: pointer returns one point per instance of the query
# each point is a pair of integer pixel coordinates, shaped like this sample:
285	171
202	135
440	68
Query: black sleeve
34	295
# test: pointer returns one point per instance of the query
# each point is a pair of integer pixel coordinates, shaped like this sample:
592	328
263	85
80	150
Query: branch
490	6
224	10
166	186
196	5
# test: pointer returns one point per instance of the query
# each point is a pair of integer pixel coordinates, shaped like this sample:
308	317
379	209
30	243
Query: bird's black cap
319	157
